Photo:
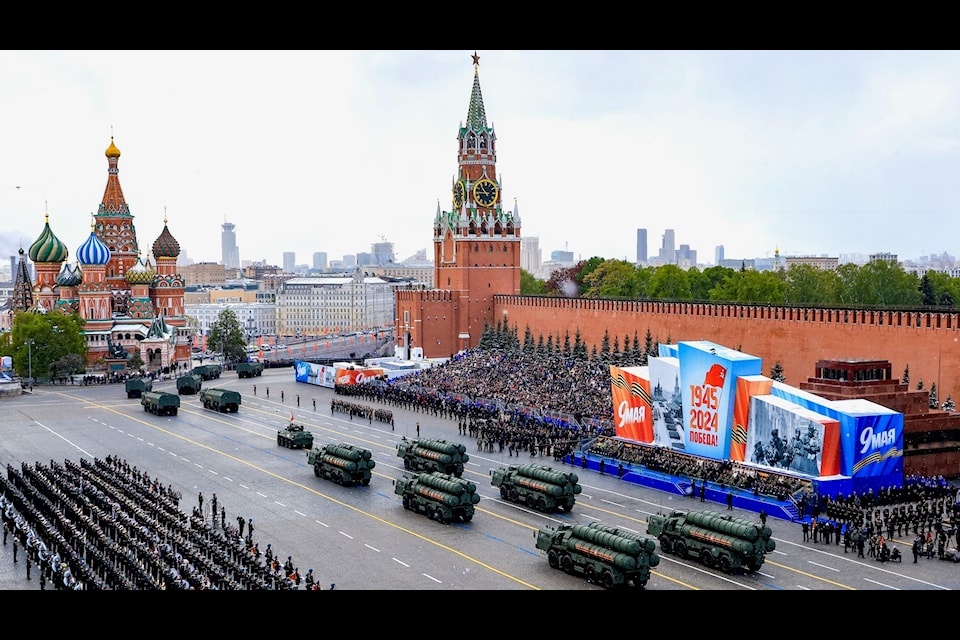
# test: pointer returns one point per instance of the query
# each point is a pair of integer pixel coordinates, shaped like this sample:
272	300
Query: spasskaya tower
476	248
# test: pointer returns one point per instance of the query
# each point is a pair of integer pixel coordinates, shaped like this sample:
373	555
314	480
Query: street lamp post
29	344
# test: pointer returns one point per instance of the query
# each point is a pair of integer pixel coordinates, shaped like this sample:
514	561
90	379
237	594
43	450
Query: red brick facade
929	343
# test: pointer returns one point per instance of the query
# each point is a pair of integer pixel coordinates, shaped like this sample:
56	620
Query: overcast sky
812	152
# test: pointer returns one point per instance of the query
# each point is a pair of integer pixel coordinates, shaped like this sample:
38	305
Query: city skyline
809	152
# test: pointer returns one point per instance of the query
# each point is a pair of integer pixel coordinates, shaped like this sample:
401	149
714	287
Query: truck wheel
514	495
566	564
504	493
553	559
316	471
681	550
665	544
406	502
725	564
531	502
541	504
706	557
591	573
438	515
366	482
607	579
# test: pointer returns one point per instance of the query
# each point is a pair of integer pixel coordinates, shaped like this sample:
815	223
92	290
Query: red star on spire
476	58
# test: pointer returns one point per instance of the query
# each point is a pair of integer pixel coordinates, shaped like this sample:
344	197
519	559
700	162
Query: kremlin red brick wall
929	343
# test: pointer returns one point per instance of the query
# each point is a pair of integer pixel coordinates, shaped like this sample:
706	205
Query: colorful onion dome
112	151
166	246
48	248
93	251
140	273
69	276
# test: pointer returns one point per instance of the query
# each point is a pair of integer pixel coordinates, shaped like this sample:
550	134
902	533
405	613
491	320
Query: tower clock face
485	192
459	194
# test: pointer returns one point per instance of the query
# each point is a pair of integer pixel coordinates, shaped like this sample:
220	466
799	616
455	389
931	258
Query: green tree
670	282
776	373
906	375
611	279
757	287
808	285
701	283
530	285
932	400
53	335
226	337
944	289
66	366
880	283
949	405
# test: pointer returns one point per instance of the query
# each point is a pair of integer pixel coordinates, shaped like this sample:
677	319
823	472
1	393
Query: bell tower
476	245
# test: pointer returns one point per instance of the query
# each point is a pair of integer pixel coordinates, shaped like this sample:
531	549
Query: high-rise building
289	261
320	260
668	250
718	255
686	257
530	255
642	246
382	253
229	252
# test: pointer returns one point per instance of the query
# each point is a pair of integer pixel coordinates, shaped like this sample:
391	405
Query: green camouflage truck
249	369
604	555
729	543
345	464
222	400
441	496
136	385
431	454
160	403
537	486
189	384
208	371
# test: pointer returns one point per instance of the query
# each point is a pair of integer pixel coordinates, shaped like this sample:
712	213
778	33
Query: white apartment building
334	304
255	318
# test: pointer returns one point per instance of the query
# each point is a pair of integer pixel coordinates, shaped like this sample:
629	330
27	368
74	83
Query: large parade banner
707	374
708	400
633	416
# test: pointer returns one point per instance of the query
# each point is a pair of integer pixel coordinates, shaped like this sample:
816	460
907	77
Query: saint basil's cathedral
129	305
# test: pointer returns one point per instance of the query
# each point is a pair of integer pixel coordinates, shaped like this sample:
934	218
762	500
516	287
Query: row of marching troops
98	526
923	516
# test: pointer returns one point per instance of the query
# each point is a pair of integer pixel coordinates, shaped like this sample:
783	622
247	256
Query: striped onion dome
48	248
166	246
141	272
69	276
93	251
